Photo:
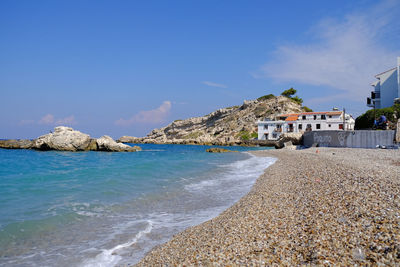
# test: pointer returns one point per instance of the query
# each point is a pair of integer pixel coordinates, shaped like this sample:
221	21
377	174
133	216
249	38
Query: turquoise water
107	209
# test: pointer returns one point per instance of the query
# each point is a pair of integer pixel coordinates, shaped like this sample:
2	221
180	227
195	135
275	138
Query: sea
110	209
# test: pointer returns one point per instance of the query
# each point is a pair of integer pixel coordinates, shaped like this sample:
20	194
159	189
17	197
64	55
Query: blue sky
127	67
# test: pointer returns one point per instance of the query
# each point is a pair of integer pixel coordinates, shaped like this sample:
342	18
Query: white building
301	122
386	88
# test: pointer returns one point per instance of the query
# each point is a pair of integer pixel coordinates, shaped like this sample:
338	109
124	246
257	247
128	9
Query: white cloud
66	121
49	119
213	84
148	116
26	122
345	54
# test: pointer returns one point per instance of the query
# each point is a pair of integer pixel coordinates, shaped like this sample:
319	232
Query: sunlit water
107	209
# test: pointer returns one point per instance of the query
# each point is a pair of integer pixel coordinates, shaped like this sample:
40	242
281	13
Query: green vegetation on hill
245	135
366	120
193	135
289	93
307	109
266	97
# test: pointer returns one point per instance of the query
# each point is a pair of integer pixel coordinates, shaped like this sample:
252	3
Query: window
340	126
274	135
329	125
318	126
304	117
315	117
323	117
300	126
330	116
265	127
309	127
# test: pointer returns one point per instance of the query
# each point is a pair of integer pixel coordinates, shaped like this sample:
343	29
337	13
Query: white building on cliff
306	121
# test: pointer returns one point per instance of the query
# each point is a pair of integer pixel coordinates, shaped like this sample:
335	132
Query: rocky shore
67	139
317	206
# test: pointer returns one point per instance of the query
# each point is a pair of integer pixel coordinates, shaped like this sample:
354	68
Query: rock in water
129	139
16	144
67	139
219	150
106	143
64	139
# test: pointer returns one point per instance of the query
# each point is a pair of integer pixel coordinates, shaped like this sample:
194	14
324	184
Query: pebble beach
318	206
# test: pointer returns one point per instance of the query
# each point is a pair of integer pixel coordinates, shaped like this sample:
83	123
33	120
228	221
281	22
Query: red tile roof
292	117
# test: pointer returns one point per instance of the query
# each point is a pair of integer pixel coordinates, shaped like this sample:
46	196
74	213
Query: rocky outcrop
129	139
227	126
219	150
64	139
294	138
15	144
106	143
67	139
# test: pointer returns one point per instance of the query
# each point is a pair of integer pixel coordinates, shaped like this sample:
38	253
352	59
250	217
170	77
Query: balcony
376	95
370	102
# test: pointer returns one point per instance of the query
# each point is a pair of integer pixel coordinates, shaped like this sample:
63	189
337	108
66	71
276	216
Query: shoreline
337	206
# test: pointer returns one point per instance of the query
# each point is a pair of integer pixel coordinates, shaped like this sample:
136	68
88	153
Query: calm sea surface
107	209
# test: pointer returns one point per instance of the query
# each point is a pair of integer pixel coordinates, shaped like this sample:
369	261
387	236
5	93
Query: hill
226	126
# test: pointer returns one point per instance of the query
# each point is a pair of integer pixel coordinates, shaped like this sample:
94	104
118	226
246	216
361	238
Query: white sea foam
246	171
110	257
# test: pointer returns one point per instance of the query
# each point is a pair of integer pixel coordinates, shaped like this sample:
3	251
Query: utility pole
374	114
344	119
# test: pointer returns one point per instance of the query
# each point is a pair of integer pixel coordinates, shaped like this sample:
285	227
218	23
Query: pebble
334	207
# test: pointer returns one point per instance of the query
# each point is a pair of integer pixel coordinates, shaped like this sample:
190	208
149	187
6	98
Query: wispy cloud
148	116
26	122
49	119
345	54
70	120
213	84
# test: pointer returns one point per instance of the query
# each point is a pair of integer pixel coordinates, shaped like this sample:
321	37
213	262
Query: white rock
63	138
106	143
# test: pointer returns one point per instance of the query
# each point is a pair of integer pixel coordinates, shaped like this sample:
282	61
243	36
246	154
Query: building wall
329	124
389	89
268	128
377	90
398	77
354	139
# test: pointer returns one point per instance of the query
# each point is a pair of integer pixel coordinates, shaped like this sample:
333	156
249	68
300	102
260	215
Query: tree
366	120
289	92
297	99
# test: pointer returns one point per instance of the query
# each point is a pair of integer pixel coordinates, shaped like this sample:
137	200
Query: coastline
314	206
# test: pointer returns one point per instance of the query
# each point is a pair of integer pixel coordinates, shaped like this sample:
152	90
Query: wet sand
320	206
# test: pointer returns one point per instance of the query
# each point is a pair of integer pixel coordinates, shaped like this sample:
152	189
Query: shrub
193	135
289	92
233	107
307	109
266	97
366	120
245	135
297	100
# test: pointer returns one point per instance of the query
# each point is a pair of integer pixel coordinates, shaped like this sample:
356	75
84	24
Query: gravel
319	206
